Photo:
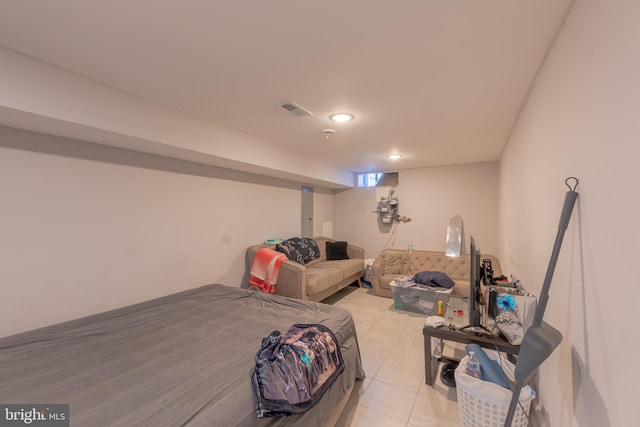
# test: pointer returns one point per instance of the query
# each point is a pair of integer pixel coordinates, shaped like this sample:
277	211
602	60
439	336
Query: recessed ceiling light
394	156
341	117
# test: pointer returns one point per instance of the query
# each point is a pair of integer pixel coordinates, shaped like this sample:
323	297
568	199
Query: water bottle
436	344
410	248
473	365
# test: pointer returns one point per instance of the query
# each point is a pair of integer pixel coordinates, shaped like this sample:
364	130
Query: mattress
181	360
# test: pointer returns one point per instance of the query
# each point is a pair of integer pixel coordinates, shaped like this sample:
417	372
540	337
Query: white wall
86	228
582	120
430	196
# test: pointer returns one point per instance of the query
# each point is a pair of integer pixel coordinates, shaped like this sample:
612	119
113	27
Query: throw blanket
265	269
295	369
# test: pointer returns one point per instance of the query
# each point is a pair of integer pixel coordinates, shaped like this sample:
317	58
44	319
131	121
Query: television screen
475	314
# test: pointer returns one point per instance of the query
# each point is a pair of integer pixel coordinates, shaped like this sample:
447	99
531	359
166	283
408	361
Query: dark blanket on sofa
181	360
299	249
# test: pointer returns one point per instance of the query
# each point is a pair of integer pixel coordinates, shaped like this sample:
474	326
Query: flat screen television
475	274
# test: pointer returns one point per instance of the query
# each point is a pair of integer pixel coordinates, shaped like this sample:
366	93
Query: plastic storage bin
485	404
414	299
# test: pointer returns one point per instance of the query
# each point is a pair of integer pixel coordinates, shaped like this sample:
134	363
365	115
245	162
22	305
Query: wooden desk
462	336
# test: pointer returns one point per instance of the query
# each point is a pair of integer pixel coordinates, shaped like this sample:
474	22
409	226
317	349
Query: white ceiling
440	81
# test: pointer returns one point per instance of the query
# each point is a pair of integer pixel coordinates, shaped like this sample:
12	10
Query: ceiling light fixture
341	117
394	156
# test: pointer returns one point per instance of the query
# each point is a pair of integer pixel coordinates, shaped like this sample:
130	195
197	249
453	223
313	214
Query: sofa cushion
396	263
322	276
349	267
336	251
301	250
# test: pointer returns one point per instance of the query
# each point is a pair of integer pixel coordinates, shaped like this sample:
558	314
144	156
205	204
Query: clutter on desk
510	310
435	321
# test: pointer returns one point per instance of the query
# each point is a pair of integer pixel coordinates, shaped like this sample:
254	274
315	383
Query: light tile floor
392	351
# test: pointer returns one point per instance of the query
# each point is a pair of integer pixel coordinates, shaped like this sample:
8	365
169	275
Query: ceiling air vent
295	109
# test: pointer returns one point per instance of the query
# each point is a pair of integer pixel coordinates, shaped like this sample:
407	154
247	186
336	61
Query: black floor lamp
541	339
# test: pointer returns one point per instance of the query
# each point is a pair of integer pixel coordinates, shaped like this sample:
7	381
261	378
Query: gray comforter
184	359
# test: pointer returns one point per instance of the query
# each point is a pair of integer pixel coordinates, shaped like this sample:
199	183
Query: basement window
378	179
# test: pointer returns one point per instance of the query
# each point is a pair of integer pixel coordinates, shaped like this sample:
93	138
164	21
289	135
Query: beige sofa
319	278
393	263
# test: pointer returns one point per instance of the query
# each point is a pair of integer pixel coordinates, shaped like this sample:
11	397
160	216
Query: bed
181	360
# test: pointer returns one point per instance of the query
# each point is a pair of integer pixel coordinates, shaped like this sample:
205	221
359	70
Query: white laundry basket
485	404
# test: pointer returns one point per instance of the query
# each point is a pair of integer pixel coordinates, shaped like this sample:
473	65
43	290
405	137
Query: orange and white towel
265	269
